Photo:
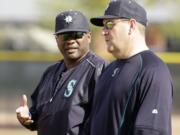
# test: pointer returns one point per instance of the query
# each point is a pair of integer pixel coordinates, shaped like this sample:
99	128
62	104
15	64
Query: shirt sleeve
33	108
154	115
98	71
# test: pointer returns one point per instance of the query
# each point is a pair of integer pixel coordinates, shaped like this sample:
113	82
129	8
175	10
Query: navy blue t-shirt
133	97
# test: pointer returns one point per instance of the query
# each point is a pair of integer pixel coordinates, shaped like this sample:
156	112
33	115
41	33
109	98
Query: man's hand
22	112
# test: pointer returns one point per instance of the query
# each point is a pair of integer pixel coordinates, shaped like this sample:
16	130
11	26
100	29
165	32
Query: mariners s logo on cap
68	19
71	21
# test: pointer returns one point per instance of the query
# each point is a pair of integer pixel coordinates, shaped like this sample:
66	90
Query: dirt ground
176	125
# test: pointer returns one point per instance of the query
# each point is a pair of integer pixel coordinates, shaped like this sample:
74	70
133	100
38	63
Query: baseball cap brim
70	30
98	21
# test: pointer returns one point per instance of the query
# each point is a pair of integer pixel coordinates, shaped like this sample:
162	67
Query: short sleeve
154	115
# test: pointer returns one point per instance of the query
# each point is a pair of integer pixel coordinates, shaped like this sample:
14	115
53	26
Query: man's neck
138	45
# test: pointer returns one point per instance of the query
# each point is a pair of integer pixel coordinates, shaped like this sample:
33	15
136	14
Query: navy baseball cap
122	9
71	21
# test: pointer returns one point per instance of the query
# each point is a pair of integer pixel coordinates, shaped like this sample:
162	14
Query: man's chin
73	56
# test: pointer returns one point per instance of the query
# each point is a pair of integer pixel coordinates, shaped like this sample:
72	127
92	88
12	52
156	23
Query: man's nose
70	41
105	31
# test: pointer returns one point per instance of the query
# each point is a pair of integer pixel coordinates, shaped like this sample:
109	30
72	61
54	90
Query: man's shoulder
54	66
150	59
152	63
94	59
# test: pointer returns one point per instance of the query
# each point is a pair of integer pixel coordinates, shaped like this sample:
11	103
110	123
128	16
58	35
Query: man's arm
154	115
23	114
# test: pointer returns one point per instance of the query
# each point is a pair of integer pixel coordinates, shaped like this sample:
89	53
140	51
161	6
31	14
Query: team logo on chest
116	70
70	88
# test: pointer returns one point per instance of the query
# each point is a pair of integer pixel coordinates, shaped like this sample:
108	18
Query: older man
134	94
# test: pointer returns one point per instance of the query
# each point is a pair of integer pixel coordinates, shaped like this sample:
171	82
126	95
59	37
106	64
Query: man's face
73	45
116	36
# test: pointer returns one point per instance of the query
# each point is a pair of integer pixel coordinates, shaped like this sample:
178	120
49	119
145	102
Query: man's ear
56	37
89	37
132	24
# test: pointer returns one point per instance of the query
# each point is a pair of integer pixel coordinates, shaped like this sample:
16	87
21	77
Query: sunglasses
109	24
72	35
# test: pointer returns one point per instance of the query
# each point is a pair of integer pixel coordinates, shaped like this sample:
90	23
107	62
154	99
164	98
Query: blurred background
28	47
